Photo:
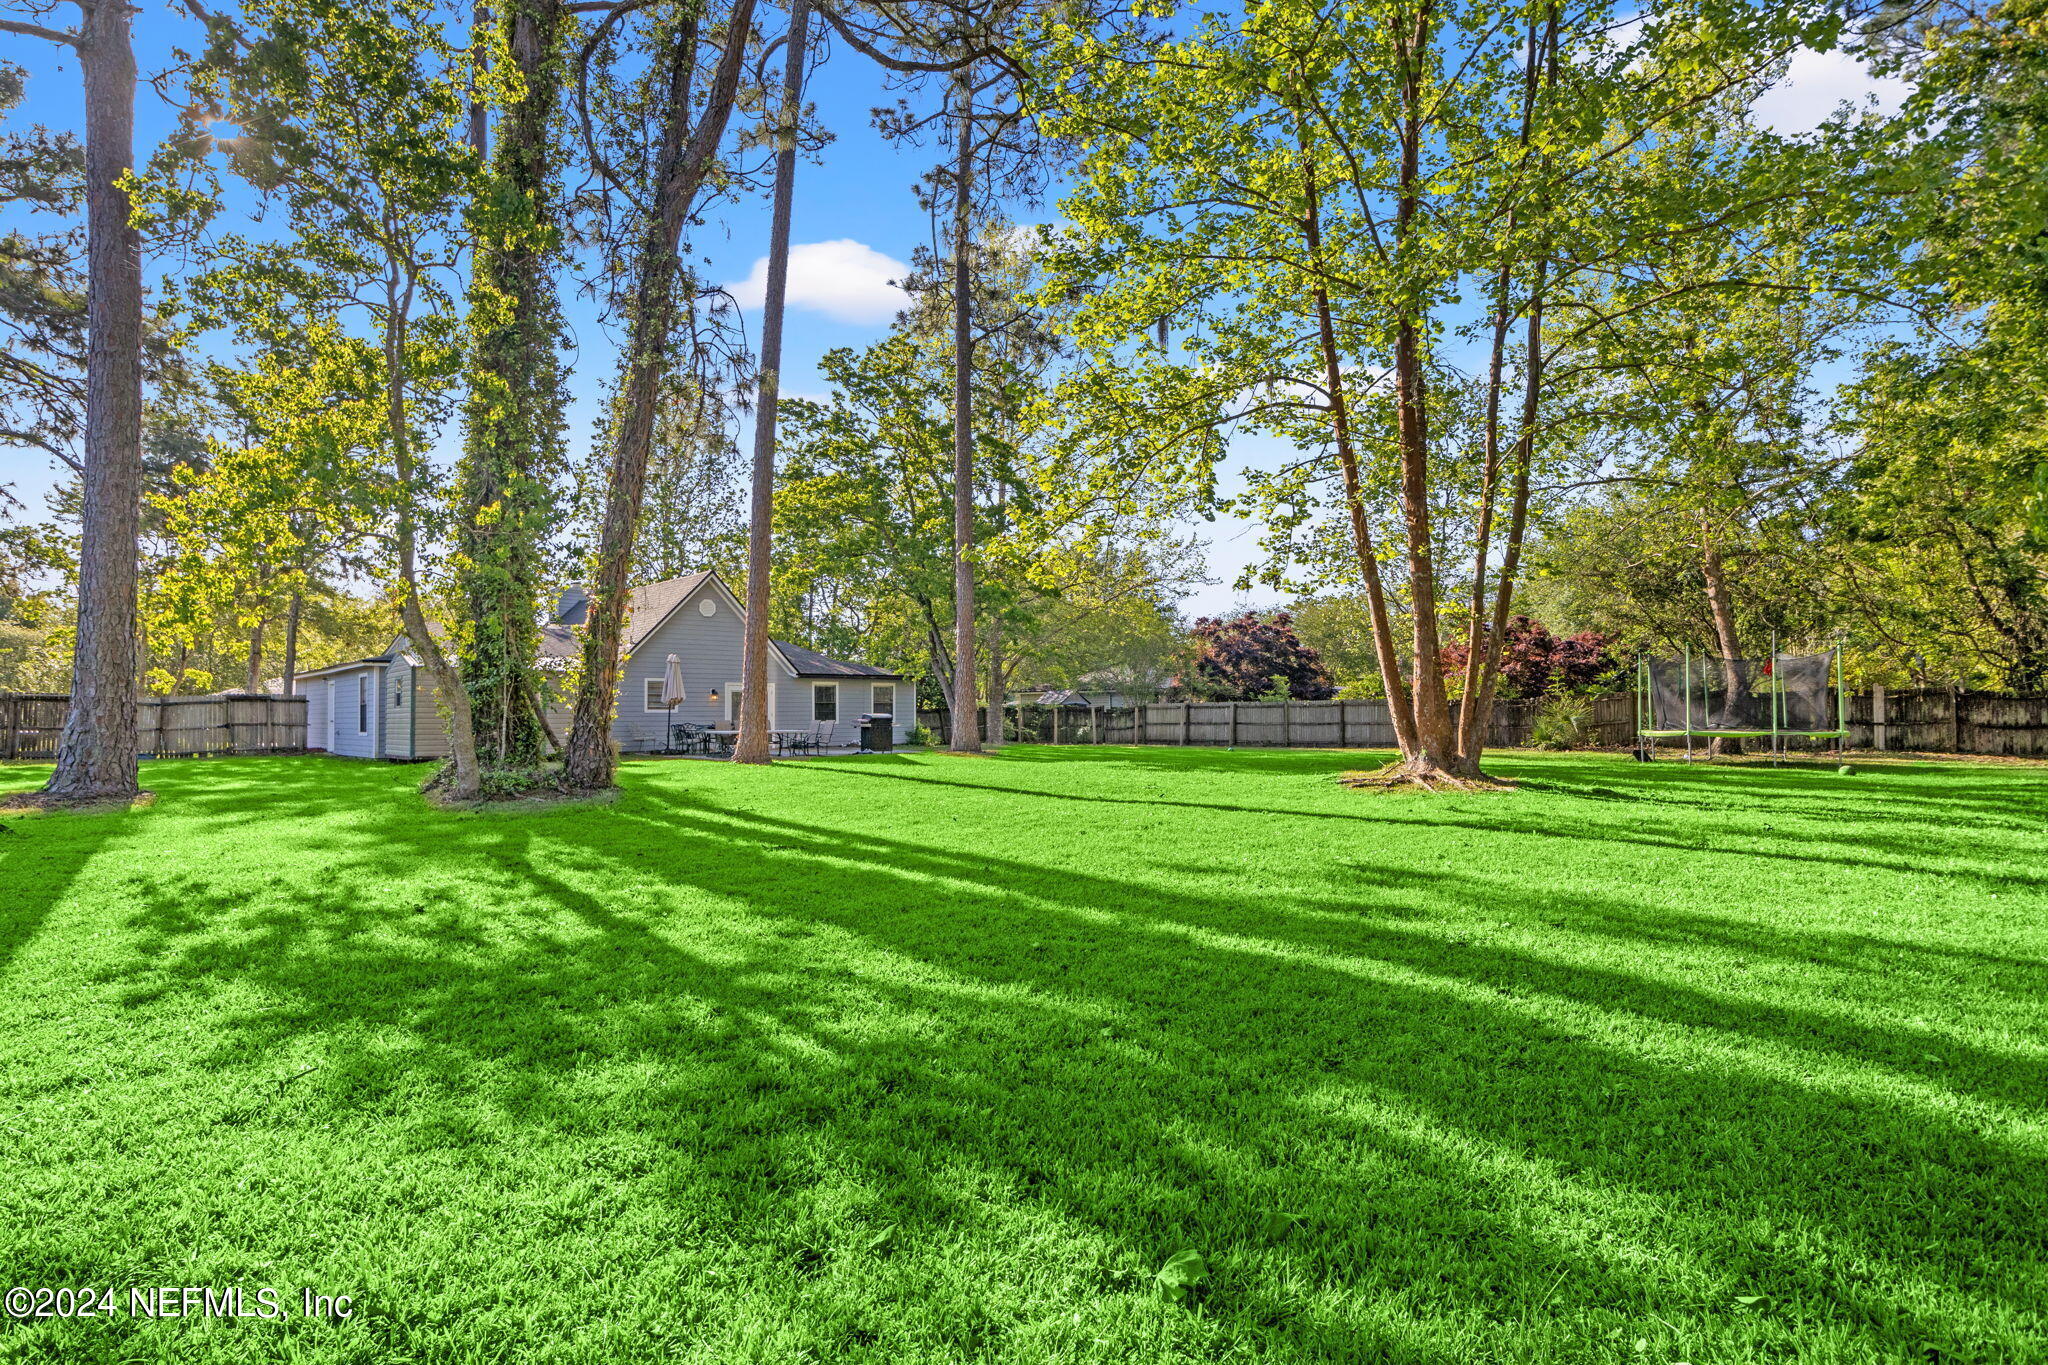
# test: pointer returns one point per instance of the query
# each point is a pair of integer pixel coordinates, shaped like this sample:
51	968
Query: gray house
384	706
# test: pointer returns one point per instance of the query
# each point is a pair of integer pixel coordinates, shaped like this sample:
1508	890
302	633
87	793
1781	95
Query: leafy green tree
354	124
1306	195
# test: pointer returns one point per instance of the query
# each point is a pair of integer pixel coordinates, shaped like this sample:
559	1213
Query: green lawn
921	1059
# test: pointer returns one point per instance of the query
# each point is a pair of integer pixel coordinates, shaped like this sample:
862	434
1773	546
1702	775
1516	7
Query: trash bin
877	734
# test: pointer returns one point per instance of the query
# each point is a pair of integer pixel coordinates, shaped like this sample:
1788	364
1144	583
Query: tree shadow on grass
43	855
1497	816
2015	795
935	1017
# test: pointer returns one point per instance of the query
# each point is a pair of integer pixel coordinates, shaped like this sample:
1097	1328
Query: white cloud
847	281
1816	84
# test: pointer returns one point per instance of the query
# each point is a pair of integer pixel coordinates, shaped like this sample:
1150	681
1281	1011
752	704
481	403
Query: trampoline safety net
1706	696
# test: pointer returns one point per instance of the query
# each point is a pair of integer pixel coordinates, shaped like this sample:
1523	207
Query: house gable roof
650	604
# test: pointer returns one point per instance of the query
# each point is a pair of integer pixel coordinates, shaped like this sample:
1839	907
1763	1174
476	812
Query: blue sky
856	224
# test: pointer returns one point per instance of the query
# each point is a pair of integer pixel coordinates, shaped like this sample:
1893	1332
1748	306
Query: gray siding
314	690
427	736
709	649
347	738
795	709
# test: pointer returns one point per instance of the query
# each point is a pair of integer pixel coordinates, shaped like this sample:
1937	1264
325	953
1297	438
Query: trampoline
1781	698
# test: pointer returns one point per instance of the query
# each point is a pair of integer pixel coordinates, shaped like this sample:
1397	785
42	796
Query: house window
362	704
652	700
885	699
825	701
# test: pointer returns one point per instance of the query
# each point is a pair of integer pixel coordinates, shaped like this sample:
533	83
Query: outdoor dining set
688	737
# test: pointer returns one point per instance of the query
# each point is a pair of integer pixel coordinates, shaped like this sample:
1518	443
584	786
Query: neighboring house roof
1062	697
808	663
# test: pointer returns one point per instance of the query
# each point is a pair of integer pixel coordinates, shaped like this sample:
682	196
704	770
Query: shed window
825	701
885	699
362	703
653	698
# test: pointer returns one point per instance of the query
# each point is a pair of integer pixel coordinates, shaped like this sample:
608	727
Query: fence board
1923	720
32	723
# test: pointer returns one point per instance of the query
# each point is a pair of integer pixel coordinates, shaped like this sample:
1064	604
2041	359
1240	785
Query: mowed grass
921	1059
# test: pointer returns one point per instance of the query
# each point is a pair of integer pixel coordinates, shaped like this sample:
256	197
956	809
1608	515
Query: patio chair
822	735
690	737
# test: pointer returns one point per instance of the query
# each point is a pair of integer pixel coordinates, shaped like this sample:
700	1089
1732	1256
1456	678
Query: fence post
1955	694
1055	724
7	739
1187	722
1286	723
1233	725
1877	717
1138	719
1094	723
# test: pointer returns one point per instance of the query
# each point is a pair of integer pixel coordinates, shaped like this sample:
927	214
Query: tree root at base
1419	775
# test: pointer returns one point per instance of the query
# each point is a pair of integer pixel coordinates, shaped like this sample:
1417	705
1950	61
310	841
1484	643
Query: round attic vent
708	607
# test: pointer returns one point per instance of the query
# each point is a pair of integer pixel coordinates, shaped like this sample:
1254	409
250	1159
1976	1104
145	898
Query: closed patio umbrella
672	684
671	693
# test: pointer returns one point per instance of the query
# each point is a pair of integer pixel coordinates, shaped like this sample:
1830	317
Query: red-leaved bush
1239	660
1535	663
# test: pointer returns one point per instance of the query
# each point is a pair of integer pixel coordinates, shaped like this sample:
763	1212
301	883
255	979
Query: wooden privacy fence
1263	724
1921	720
31	723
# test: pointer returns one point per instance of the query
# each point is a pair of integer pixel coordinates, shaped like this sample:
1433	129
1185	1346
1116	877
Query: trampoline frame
1777	734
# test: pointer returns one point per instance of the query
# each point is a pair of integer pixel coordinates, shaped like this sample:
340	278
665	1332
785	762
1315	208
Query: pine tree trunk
965	731
96	756
751	745
685	159
515	403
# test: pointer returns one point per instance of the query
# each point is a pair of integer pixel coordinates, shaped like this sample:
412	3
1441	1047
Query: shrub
920	735
1561	723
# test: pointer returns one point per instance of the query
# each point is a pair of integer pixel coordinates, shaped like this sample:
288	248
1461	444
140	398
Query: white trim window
362	703
824	701
650	694
885	700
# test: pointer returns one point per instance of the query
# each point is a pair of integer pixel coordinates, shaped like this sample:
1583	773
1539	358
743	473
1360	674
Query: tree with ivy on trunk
512	447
